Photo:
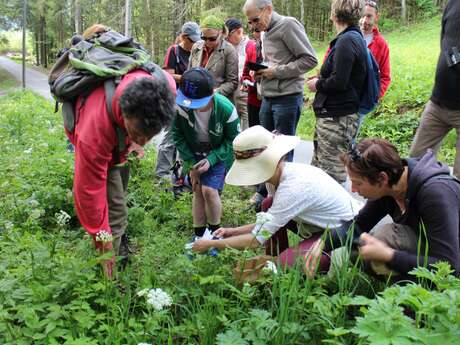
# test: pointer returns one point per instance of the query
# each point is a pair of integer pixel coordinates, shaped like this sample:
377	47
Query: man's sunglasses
210	39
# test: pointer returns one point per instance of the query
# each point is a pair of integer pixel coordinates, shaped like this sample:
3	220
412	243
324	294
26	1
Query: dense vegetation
52	290
155	23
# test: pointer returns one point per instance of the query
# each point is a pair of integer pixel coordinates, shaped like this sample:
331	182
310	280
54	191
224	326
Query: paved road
35	80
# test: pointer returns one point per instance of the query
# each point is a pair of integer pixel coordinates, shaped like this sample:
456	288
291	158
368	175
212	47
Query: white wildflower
104	236
28	150
144	344
157	298
62	218
270	267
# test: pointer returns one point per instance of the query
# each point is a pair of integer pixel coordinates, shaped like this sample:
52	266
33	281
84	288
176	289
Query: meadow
52	290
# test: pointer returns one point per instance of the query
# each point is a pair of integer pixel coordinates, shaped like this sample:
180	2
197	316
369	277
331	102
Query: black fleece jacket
446	91
432	199
342	76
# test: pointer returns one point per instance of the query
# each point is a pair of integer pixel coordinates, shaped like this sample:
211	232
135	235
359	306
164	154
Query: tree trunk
128	18
403	11
77	19
302	12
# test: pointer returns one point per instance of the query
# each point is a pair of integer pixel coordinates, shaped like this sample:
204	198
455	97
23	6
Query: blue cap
196	88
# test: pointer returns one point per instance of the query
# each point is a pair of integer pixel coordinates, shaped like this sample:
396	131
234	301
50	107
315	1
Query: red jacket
251	56
381	52
95	142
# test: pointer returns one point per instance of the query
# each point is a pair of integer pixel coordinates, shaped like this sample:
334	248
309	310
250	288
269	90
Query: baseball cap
233	24
192	30
196	88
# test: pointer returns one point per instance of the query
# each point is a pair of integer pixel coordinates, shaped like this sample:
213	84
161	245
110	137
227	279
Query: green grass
7	81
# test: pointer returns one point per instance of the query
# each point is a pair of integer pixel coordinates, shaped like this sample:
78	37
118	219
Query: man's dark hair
151	102
371	157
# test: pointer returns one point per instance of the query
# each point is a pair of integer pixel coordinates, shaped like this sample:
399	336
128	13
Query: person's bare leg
213	205
198	208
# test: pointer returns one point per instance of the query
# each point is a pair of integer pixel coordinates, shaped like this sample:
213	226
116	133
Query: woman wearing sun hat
303	193
216	55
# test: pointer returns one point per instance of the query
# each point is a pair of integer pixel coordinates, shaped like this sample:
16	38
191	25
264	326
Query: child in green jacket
203	131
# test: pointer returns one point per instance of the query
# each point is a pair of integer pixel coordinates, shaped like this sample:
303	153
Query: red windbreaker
95	142
381	52
251	56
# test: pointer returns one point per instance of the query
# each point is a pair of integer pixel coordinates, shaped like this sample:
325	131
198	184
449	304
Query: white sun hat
257	153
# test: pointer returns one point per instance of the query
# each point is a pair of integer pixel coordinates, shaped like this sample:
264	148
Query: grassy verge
7	81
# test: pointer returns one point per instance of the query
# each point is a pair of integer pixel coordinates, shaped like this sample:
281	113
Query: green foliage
413	314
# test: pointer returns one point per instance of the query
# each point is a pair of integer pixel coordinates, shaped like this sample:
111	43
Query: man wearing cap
289	55
300	192
176	63
203	131
242	43
217	55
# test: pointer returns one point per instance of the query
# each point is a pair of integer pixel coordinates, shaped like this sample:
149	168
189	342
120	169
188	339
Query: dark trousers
282	114
253	115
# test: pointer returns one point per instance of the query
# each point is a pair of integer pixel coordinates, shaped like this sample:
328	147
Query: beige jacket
223	64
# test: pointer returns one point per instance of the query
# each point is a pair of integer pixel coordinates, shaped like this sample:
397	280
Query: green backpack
104	59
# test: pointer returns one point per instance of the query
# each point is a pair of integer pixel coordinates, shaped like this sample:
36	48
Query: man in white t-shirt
303	193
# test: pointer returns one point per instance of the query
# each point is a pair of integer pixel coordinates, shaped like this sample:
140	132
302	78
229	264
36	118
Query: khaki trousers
435	123
117	185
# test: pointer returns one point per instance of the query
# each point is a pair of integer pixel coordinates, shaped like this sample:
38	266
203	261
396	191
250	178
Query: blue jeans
282	114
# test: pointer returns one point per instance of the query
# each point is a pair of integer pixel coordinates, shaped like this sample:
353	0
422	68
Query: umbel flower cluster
157	298
104	236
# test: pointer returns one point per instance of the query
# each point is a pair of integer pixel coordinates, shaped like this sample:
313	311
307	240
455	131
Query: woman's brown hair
370	157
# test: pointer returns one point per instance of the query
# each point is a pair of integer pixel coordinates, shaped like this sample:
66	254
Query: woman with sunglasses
216	55
421	197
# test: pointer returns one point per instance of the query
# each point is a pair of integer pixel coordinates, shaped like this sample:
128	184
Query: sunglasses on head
372	4
210	39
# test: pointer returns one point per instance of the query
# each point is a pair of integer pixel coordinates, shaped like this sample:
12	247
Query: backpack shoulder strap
109	88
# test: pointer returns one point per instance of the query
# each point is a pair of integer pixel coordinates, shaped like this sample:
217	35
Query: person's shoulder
224	104
227	47
379	39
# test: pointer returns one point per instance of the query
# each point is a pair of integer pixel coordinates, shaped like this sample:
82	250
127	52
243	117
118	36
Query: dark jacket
342	76
432	199
447	82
